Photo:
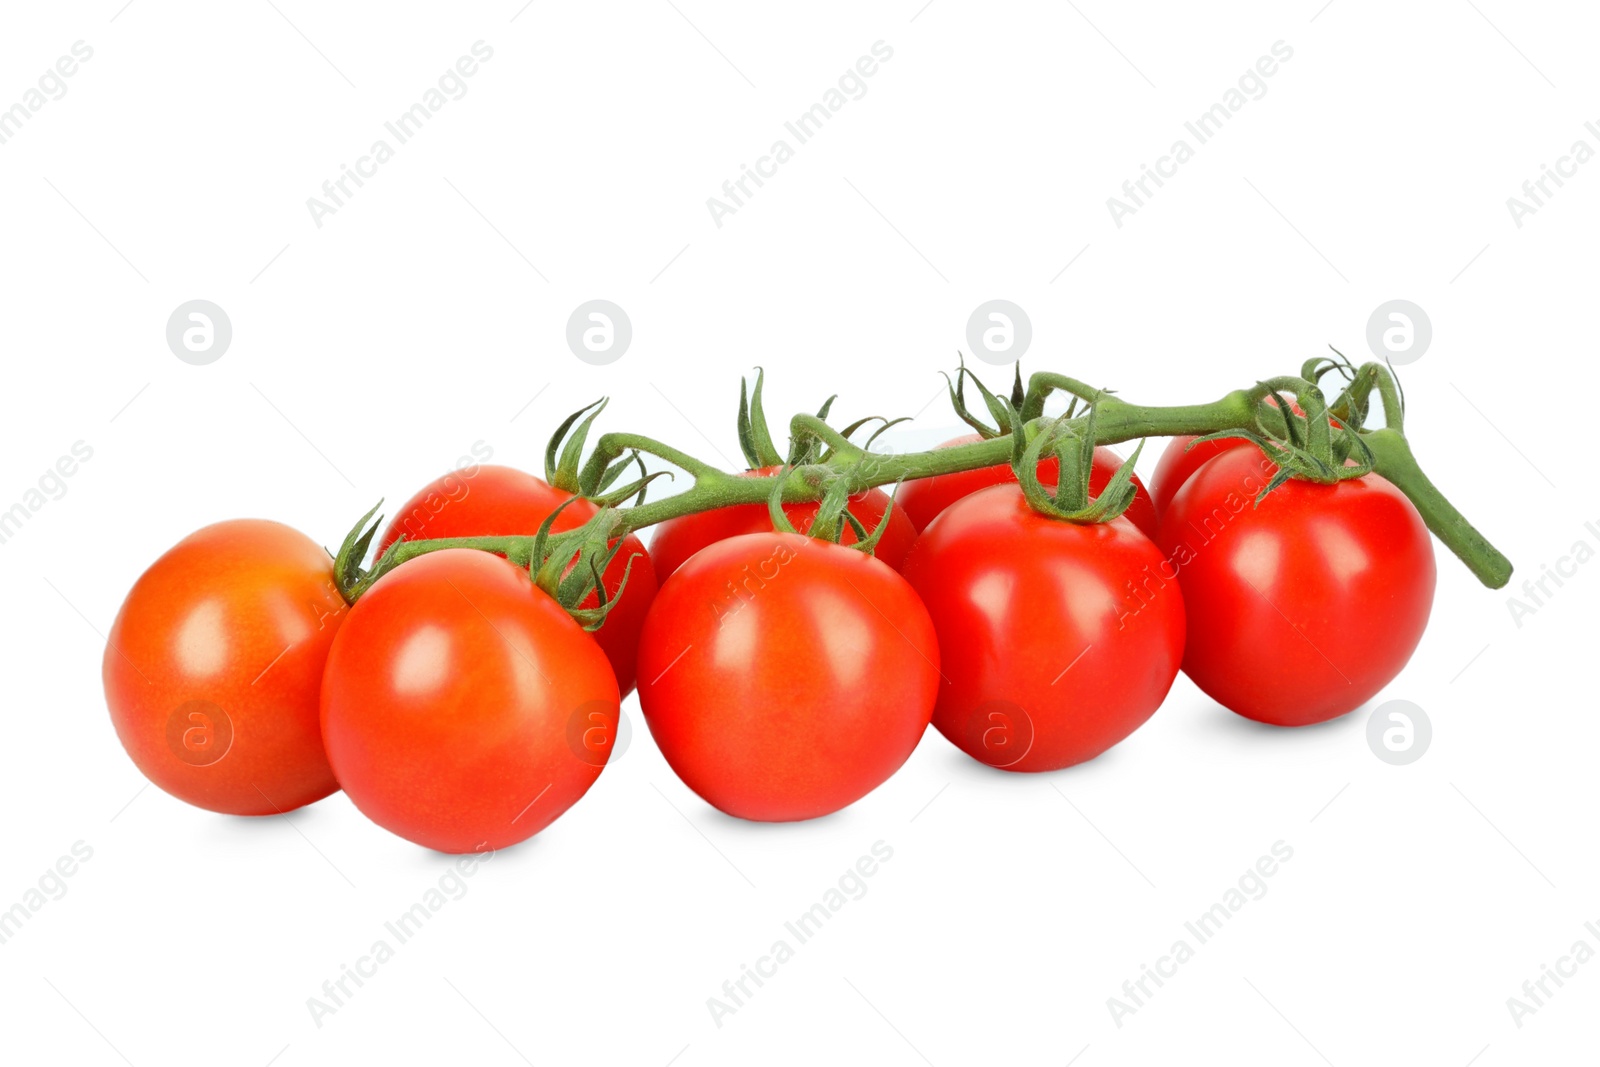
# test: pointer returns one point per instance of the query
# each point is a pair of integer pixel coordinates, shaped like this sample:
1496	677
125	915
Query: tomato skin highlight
675	540
449	698
1305	607
502	501
924	498
1050	653
213	666
784	677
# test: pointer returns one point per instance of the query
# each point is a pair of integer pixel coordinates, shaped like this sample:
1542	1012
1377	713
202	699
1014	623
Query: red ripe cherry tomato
1303	608
677	539
925	498
1053	640
503	501
785	677
214	663
454	699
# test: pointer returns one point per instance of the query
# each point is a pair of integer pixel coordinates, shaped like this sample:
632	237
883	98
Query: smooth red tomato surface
924	498
676	540
1054	639
1178	463
491	500
1301	609
452	701
785	677
213	666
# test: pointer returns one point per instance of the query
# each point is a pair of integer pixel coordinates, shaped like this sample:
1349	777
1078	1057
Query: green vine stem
1116	420
1395	462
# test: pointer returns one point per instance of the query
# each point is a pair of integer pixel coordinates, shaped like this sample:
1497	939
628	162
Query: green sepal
542	562
755	440
780	518
570	578
1303	461
583	571
352	550
564	474
879	432
591	619
854	426
1074	454
613	471
634	490
998	409
868	542
605	496
831	511
857	527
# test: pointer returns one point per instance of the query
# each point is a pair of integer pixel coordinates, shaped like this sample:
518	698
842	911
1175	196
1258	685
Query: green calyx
570	570
1073	446
569	474
833	511
1002	412
1071	439
1306	446
567	565
755	440
347	573
810	455
562	565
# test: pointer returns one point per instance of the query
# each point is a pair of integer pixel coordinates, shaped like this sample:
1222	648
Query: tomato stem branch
1393	459
1115	420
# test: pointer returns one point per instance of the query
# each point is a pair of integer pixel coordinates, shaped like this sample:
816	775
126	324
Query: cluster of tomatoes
782	676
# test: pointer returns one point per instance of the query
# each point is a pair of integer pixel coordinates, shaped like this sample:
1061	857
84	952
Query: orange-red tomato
453	701
923	499
784	677
214	663
492	500
1051	646
677	539
1302	608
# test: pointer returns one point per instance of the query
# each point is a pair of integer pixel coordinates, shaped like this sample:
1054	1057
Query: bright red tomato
925	498
452	699
1301	609
676	540
491	500
1053	641
785	677
213	666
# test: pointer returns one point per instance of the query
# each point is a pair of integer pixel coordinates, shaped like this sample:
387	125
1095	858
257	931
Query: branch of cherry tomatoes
792	629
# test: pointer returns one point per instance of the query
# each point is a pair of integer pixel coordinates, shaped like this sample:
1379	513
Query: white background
428	314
